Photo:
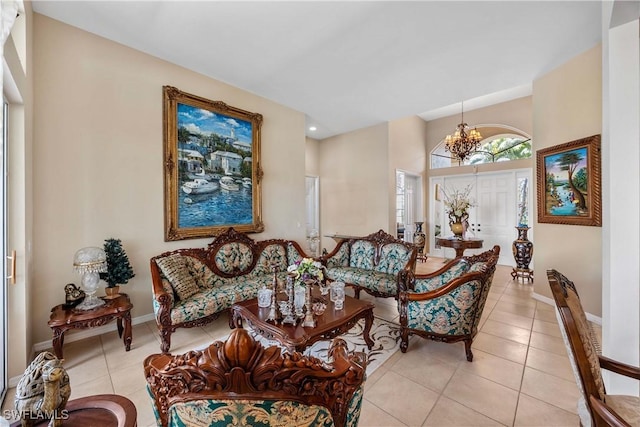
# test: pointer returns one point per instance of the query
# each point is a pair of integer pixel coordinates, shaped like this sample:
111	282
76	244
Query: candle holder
289	319
309	321
273	309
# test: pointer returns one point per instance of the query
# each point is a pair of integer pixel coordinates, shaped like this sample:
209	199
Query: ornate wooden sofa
191	287
446	304
239	382
376	263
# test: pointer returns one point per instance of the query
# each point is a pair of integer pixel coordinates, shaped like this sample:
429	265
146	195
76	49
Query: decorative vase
457	224
419	238
522	252
112	292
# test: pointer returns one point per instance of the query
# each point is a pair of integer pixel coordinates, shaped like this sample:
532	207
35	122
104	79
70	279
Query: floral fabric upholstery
433	283
292	255
340	259
450	314
370	279
355	405
362	254
248	413
393	258
174	269
204	277
233	257
270	255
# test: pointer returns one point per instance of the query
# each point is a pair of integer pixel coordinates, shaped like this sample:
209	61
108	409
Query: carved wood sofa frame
242	280
242	369
460	292
344	264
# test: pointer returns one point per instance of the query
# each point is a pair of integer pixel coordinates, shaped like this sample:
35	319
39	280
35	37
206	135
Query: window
497	148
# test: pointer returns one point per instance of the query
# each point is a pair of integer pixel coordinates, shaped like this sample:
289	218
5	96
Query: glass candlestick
309	321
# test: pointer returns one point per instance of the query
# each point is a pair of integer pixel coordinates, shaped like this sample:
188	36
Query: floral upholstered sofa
376	263
240	383
446	305
191	287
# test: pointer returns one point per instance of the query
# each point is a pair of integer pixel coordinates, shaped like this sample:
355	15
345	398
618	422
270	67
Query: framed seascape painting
212	172
569	186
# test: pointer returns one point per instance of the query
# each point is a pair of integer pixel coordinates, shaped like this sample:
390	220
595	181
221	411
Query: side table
62	319
459	244
102	410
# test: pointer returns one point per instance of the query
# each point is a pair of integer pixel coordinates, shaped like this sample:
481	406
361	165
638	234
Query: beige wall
312	157
353	183
98	170
567	105
407	144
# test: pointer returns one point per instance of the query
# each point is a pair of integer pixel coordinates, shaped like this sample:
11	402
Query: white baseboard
72	336
590	317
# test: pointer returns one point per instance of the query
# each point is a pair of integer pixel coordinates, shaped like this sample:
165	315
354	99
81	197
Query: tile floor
520	375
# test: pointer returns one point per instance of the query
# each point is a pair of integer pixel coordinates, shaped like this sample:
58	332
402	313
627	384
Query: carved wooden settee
446	304
191	287
241	383
376	263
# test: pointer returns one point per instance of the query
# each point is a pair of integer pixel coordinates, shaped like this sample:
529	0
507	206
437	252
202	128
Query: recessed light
313	128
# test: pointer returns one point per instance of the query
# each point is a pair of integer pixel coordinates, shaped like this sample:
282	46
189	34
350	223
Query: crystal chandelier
463	141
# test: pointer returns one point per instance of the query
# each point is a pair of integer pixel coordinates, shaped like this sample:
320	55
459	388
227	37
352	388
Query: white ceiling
348	65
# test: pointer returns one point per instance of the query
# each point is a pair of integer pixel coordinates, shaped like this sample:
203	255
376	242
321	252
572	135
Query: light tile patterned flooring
520	374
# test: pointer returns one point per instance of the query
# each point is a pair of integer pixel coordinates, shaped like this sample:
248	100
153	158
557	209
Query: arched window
501	147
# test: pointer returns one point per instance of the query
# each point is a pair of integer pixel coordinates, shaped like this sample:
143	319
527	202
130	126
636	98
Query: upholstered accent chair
595	406
239	382
446	305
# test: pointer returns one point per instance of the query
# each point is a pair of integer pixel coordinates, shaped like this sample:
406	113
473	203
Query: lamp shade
90	260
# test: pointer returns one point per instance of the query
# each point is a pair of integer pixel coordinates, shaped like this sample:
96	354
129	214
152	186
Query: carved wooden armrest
606	413
619	367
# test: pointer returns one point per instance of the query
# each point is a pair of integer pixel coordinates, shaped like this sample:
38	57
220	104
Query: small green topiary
119	271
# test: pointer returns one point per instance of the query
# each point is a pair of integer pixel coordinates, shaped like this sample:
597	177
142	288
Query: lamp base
89	303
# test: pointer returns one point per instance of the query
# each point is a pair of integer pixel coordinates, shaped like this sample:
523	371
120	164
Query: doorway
493	219
408	204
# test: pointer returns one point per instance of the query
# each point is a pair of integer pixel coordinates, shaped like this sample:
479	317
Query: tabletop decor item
569	183
73	295
212	167
119	271
90	262
308	271
457	204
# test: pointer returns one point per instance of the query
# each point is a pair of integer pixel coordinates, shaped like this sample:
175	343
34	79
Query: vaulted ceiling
352	64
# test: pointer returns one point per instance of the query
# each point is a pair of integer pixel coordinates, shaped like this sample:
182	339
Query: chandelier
463	141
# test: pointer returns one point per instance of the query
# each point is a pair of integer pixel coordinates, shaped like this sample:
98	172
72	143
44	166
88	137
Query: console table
62	319
459	244
103	410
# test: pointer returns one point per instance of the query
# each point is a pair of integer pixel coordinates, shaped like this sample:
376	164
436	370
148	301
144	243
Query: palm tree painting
569	183
566	183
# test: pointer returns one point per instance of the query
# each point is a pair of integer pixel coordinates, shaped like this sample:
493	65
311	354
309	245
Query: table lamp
90	262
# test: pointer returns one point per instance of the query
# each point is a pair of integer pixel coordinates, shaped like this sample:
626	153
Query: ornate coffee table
329	324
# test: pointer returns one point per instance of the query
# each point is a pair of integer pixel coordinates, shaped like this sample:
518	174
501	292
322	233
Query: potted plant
119	271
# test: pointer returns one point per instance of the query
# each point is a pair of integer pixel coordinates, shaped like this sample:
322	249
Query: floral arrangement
457	202
306	269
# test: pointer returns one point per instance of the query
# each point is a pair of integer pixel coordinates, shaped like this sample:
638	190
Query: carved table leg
368	322
120	328
127	338
58	341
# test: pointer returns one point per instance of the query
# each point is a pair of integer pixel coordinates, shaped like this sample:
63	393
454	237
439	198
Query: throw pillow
174	269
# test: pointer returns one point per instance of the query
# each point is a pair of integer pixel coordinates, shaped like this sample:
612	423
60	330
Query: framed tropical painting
569	183
212	173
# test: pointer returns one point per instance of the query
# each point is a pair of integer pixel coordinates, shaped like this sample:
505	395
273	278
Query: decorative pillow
174	269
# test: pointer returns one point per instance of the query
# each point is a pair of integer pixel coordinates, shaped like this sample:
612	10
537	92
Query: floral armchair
446	305
239	382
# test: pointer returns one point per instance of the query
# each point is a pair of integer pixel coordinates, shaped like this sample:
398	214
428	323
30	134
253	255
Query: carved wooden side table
459	244
62	319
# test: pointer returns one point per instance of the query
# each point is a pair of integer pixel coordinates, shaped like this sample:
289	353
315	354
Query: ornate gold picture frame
212	172
569	183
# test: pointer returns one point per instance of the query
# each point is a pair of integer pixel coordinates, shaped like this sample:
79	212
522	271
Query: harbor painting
212	167
569	187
